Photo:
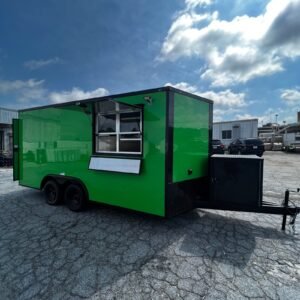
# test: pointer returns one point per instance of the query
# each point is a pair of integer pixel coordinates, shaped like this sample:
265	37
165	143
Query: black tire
52	192
75	197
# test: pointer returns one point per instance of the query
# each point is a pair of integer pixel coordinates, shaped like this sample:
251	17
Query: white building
6	116
229	130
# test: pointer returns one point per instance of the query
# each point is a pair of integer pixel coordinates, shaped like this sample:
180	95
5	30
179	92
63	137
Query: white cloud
194	3
76	94
234	106
18	85
24	91
238	50
33	92
37	64
184	86
291	96
221	114
225	98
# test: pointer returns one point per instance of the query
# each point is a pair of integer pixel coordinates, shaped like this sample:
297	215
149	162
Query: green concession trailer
147	151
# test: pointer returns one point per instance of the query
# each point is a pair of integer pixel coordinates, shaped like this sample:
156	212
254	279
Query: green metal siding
59	141
191	138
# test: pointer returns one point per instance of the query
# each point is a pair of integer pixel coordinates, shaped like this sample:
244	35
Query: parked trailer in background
228	131
272	141
291	141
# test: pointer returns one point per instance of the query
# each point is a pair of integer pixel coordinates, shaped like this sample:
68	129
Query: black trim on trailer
93	128
110	97
210	130
24	185
16	151
185	194
169	150
170	136
178	91
181	196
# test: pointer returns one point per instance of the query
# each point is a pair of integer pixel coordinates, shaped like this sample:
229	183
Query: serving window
118	128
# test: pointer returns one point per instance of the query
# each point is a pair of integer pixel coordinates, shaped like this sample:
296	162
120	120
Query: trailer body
67	142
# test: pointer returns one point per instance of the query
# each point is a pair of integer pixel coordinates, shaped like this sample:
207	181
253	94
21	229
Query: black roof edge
171	88
148	91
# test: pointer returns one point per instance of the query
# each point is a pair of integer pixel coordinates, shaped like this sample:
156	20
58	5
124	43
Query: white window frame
118	133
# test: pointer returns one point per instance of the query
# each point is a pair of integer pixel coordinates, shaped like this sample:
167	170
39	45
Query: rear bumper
218	151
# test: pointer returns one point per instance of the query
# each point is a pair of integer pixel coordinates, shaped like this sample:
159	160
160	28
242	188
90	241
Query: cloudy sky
244	55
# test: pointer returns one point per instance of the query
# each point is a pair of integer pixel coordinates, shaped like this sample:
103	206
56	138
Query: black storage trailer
236	184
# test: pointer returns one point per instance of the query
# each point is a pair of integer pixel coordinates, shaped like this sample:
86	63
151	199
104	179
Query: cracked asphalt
104	253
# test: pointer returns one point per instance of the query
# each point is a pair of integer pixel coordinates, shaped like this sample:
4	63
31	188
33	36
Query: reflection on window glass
130	146
118	128
124	107
106	106
107	123
130	122
107	143
130	136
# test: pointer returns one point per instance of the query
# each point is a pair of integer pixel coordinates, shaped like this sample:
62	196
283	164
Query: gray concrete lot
51	253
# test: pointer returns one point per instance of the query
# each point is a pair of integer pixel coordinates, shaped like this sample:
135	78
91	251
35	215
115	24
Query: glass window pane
130	122
130	146
106	106
107	123
130	136
107	143
123	106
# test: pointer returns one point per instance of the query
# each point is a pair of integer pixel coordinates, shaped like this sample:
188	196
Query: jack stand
285	205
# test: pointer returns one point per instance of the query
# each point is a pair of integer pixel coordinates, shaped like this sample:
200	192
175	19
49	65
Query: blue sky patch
244	55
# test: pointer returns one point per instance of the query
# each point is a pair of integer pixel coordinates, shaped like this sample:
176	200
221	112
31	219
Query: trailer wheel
52	192
75	197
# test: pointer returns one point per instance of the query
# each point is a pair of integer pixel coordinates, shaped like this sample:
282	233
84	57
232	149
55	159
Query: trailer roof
148	91
236	121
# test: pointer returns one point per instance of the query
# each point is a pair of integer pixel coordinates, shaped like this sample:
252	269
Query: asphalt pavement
50	252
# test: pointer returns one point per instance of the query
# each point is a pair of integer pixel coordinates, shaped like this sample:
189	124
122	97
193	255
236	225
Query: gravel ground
51	253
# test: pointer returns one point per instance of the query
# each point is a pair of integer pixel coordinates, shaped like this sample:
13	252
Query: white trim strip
115	165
